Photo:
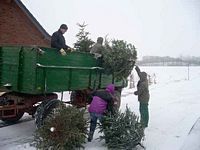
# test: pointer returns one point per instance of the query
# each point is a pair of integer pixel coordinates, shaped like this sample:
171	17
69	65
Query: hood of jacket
143	76
110	88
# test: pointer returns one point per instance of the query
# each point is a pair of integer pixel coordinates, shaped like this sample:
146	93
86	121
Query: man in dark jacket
143	96
58	40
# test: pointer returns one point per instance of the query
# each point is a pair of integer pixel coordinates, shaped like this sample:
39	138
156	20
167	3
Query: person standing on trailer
97	49
58	40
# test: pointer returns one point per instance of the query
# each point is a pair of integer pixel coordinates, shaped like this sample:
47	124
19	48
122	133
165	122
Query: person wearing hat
97	49
58	40
143	96
102	102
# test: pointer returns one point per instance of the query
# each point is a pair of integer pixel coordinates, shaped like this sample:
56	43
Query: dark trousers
144	114
93	122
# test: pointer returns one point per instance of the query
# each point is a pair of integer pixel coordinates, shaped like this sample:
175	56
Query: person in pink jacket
101	102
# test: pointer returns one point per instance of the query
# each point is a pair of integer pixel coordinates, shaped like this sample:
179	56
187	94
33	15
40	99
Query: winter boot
90	136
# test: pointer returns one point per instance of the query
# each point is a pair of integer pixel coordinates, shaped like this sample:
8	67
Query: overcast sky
155	27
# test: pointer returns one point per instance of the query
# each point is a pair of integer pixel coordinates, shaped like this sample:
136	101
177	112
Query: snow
193	137
174	113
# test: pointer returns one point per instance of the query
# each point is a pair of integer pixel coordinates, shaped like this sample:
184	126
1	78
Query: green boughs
122	131
84	43
119	58
64	129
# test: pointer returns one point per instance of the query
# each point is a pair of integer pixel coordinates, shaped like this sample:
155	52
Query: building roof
32	19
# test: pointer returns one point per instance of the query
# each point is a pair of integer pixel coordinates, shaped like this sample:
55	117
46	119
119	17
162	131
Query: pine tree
83	43
119	58
64	129
122	130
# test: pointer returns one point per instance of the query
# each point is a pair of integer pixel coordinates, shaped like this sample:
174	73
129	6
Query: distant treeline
169	61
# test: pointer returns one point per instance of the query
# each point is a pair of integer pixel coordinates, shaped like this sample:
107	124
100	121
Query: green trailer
29	75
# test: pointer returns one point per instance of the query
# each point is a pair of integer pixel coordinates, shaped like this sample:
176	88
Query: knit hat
110	88
100	40
143	76
63	26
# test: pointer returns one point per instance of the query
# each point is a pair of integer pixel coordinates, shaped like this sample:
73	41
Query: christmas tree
122	130
64	129
119	58
84	43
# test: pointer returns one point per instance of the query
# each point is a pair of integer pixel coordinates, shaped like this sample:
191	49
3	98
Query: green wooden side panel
65	79
17	68
27	70
9	67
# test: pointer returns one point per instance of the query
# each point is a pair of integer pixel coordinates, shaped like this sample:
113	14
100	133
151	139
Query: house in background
19	27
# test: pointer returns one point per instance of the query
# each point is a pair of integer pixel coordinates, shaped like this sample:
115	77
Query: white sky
156	27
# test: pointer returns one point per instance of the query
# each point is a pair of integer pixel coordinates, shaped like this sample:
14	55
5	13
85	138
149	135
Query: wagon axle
14	105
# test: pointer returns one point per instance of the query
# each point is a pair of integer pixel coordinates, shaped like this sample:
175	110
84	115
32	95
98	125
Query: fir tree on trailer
84	43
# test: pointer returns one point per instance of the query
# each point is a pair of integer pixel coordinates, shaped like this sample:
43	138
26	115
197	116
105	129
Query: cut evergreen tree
64	129
122	130
84	43
119	58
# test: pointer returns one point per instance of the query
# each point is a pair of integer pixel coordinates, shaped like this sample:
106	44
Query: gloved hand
96	55
137	69
69	49
72	49
62	52
136	93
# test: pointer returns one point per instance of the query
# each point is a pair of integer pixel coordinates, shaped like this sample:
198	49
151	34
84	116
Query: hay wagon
32	75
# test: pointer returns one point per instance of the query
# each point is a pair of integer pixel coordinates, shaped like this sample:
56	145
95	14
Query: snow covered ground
174	109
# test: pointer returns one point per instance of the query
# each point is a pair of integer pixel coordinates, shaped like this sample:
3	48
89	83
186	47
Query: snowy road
17	136
174	108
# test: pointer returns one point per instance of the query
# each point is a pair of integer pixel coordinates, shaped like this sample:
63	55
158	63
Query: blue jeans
93	122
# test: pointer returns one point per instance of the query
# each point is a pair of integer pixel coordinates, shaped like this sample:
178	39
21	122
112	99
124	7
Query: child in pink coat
99	105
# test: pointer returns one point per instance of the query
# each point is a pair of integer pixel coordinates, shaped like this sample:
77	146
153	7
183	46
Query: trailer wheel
38	113
44	110
13	120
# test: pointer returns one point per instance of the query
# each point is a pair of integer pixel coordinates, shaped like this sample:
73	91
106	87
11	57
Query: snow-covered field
174	108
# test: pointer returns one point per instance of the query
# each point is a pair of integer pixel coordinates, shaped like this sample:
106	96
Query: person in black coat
58	40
